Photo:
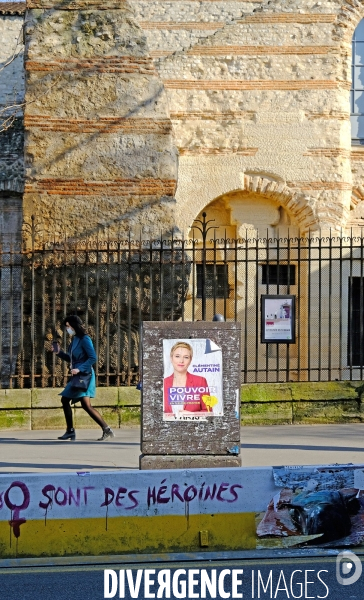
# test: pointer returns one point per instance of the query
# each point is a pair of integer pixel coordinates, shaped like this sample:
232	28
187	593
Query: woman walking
81	356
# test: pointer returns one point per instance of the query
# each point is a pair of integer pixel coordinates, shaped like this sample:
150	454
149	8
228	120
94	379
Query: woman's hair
76	324
182	345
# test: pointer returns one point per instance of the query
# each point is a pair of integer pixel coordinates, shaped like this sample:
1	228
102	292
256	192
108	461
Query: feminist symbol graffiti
16	521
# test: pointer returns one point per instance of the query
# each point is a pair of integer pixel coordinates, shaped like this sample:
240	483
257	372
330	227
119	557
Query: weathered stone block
359	389
75	4
267	413
130	415
46	397
328	390
15	419
15	399
93	113
129	396
266	392
105	396
150	462
81	156
48	418
326	412
83	421
357	385
152	208
87	50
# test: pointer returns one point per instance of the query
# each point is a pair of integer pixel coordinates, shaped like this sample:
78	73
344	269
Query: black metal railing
114	285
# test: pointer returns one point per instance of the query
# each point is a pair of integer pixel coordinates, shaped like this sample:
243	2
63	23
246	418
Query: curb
125	559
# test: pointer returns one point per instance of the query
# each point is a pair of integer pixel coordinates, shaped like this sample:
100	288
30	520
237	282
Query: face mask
70	331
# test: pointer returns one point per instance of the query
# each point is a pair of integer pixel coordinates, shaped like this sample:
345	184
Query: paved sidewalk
40	451
302	445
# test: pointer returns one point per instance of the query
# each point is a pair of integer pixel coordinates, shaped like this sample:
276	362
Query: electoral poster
192	389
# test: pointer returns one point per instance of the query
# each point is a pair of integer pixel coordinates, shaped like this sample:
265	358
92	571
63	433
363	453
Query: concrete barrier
169	511
115	512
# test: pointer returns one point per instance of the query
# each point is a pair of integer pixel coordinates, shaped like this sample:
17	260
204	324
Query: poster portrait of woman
187	394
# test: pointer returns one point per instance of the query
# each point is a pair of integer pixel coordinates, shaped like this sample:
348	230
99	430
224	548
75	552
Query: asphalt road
280	579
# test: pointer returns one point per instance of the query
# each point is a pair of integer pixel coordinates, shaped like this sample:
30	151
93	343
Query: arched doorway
241	250
242	211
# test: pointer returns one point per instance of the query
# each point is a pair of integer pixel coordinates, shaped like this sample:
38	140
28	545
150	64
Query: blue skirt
76	395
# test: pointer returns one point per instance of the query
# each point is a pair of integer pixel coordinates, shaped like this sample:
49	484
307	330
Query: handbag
80	381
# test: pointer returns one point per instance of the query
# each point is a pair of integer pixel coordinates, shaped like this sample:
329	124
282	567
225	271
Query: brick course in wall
117	187
75	4
176	26
109	64
288	17
101	125
259	84
256	50
200	151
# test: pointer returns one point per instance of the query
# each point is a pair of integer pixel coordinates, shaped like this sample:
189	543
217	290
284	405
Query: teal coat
81	354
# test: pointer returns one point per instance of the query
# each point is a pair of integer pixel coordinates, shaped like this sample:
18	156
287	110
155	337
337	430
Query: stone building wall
99	150
141	115
259	100
258	97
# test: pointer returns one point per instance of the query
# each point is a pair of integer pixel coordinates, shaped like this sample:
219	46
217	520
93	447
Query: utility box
190	395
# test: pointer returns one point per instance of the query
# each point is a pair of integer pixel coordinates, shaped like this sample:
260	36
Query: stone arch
356	214
349	15
298	206
293	200
356	197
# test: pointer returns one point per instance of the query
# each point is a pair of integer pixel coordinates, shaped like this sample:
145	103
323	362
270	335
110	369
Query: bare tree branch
15	53
7	120
11	109
10	112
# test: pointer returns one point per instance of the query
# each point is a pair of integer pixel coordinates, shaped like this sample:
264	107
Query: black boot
69	435
107	434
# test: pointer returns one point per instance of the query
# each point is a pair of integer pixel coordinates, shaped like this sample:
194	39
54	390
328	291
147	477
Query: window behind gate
356	322
216	281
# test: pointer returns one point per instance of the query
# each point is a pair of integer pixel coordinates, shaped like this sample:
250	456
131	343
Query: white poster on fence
278	319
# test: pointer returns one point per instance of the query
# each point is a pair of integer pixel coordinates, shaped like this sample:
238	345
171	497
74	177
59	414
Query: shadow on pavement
28	467
303	447
47	442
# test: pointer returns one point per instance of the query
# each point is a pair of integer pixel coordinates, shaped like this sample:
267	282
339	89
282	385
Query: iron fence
114	285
